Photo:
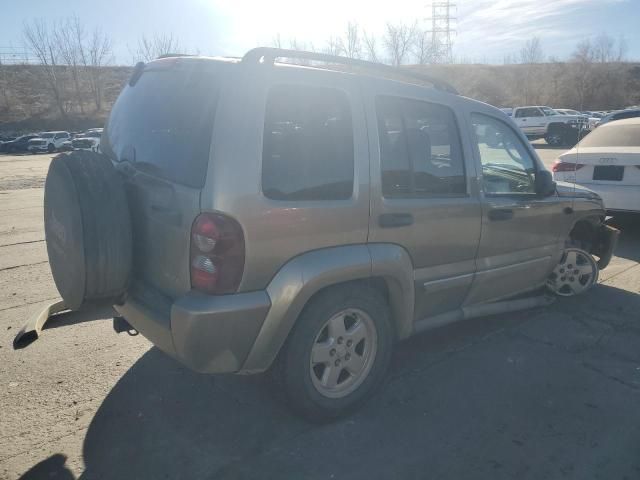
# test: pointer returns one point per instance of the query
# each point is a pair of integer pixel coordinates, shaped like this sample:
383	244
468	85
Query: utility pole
442	28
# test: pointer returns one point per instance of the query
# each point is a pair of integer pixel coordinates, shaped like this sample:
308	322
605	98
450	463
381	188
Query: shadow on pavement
547	393
546	146
52	468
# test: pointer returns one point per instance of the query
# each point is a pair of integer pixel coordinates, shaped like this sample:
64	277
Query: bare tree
276	41
583	58
41	41
99	53
333	46
623	47
350	44
423	48
69	36
531	52
150	48
604	48
370	46
398	39
4	85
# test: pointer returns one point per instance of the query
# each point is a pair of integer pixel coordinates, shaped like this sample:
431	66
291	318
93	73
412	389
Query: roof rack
270	55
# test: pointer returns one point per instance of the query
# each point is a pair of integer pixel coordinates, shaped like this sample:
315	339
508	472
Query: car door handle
498	214
393	220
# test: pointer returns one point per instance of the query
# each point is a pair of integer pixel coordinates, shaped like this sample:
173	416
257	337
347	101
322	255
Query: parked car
507	111
592	122
608	163
87	141
544	122
48	142
620	115
18	145
304	220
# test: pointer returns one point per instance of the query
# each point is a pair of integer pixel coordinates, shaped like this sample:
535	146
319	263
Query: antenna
575	163
441	30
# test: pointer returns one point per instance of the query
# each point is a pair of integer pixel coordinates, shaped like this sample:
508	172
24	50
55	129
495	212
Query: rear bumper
209	334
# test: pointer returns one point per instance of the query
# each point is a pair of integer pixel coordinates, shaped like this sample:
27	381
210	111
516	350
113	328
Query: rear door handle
393	220
498	214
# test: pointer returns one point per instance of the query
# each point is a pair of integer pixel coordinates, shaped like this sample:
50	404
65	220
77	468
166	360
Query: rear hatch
159	136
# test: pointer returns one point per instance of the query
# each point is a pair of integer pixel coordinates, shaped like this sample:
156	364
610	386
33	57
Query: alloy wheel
576	272
343	353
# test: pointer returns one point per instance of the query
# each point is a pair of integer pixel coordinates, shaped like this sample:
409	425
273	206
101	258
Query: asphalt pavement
542	394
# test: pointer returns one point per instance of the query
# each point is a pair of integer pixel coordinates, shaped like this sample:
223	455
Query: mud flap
605	244
31	330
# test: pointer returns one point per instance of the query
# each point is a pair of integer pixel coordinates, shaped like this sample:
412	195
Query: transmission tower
442	29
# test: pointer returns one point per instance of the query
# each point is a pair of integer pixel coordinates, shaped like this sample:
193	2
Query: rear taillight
559	166
217	254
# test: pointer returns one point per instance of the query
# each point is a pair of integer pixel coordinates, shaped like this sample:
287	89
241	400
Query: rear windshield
613	136
163	124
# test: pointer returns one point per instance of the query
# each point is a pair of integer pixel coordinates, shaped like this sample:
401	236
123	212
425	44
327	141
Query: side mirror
544	184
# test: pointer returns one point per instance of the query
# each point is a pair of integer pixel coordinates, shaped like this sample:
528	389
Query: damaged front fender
605	243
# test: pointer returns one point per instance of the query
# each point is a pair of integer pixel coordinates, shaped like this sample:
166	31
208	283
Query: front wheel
576	273
51	148
337	353
555	137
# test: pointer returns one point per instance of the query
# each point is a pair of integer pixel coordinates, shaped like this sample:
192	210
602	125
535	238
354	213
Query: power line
11	55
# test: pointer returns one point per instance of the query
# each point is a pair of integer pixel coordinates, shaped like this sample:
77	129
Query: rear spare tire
88	229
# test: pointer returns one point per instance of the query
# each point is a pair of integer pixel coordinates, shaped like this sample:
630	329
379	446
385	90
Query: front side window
308	144
549	112
507	165
420	151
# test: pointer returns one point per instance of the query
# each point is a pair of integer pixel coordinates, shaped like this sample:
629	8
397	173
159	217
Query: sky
487	30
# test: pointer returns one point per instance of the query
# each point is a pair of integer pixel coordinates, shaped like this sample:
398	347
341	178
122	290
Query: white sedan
606	161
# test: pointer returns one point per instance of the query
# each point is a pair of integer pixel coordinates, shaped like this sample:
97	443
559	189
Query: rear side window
164	122
420	149
613	136
308	144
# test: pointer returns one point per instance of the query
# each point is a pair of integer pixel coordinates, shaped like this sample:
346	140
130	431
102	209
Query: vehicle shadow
53	467
479	399
546	146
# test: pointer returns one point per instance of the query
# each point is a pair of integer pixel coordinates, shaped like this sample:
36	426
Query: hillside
27	100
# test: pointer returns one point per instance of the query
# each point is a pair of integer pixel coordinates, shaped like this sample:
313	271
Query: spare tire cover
87	229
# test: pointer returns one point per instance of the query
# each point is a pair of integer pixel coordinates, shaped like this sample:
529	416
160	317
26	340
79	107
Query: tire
555	136
295	365
51	148
87	229
576	273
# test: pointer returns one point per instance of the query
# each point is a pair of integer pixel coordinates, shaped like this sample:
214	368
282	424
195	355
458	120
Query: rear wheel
51	148
337	353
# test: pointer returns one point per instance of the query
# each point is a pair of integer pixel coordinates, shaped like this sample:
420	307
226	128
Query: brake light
217	254
559	166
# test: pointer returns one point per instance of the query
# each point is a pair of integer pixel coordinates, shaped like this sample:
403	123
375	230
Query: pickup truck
544	122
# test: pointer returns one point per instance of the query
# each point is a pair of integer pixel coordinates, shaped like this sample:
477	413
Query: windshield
165	121
613	136
548	111
47	135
